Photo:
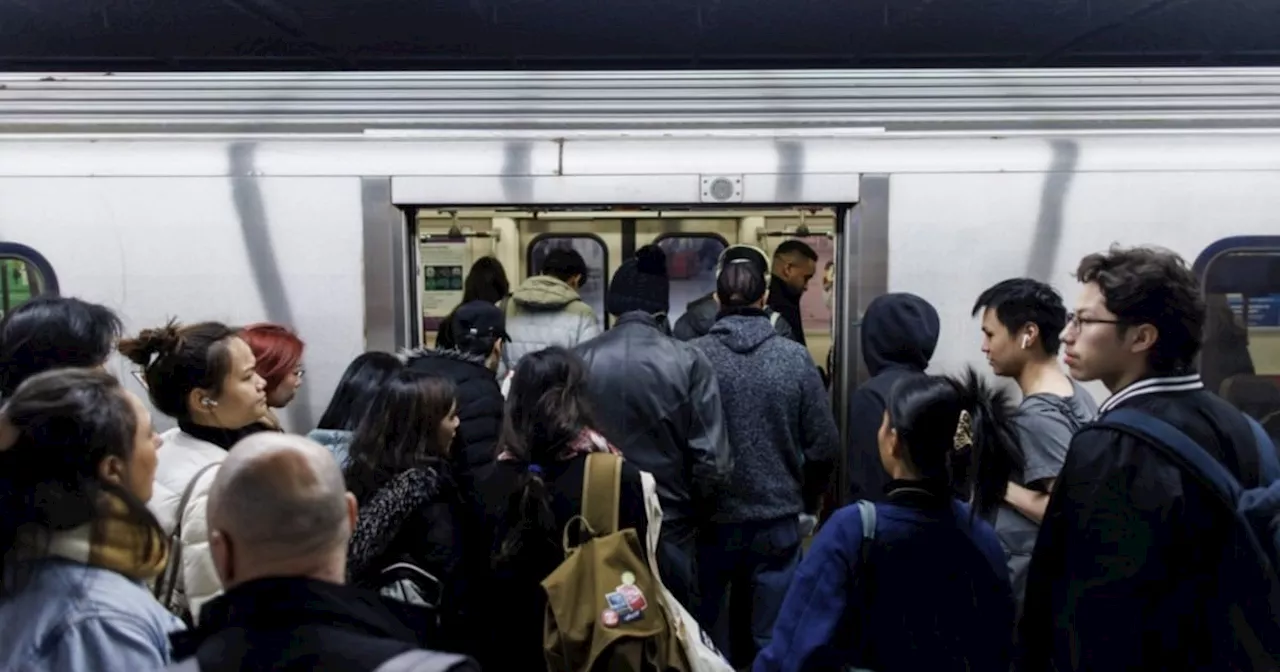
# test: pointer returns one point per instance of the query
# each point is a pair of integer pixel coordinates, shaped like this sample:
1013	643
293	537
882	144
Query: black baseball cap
479	318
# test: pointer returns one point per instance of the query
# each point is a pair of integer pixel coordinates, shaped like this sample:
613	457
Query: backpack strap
1179	447
773	319
868	512
167	583
601	486
422	660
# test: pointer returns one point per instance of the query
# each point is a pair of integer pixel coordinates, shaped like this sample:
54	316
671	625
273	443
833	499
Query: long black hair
50	332
547	409
959	431
58	427
359	385
400	432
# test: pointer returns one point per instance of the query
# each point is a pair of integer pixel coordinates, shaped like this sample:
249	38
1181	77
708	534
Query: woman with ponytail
533	490
922	584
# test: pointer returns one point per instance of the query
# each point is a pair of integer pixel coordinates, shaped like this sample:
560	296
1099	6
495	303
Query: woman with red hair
279	354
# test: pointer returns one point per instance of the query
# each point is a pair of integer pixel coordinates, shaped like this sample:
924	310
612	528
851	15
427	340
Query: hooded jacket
701	313
545	311
294	623
899	334
657	400
480	405
778	416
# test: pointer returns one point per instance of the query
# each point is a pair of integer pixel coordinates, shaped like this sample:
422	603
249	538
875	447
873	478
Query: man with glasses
1022	324
1133	569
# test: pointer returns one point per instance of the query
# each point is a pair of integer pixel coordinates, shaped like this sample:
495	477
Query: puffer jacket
338	441
181	456
480	405
779	419
543	312
658	401
701	313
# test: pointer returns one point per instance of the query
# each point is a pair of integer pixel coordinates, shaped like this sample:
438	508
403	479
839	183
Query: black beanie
640	284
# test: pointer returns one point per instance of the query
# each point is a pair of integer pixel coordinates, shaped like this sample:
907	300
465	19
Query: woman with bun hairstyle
77	543
278	353
918	581
204	376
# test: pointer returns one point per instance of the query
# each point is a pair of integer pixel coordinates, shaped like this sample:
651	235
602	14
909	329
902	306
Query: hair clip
536	470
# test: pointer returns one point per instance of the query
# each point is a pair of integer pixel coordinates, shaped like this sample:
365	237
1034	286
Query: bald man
280	518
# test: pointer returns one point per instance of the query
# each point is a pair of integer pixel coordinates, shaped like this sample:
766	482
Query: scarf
115	541
586	442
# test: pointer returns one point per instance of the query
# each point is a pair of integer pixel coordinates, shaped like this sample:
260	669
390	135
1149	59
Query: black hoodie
301	624
899	335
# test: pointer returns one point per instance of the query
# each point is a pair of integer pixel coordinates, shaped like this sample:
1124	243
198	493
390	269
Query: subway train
349	205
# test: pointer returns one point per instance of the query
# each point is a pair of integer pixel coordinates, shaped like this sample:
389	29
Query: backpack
1254	581
603	608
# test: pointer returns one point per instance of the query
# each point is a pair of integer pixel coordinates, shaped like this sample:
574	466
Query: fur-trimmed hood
426	354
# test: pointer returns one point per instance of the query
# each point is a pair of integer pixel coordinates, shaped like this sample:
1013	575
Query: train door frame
861	203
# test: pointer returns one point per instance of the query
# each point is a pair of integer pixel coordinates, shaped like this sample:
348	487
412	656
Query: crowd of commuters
417	525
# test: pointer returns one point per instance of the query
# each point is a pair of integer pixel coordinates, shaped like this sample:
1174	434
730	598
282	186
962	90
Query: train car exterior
290	198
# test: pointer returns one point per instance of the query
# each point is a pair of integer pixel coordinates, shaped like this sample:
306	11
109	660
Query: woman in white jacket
203	376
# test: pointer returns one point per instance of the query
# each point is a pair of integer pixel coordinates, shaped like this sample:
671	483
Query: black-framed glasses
1074	321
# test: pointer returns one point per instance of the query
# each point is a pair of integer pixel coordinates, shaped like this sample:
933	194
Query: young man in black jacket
1128	571
279	522
794	265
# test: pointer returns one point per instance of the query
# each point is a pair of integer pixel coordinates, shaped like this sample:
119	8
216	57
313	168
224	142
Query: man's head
566	265
278	507
1022	322
1140	313
480	329
795	263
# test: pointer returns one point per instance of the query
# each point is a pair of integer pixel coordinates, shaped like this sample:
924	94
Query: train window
691	267
1240	358
593	252
24	274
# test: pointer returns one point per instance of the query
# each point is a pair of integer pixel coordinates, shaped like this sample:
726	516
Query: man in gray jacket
546	310
657	400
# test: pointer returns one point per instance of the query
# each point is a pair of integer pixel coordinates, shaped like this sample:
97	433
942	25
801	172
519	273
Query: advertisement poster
1264	311
815	306
444	267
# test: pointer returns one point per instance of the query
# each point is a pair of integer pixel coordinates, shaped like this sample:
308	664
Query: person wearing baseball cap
701	313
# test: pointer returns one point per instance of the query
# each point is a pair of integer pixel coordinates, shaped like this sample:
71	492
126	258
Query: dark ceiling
166	35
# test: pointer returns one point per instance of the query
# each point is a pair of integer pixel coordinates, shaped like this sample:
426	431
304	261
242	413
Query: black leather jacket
657	400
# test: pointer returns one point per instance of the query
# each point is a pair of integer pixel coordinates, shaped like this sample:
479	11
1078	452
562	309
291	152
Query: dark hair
177	359
357	389
789	247
400	432
1021	301
478	346
1147	285
50	332
486	281
739	284
563	264
61	425
546	409
927	412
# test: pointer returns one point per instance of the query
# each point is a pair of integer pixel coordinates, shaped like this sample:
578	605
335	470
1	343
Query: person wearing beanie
657	400
701	313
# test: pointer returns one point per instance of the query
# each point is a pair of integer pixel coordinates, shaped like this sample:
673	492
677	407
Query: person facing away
1132	566
529	495
657	399
277	353
280	519
359	385
50	332
1022	320
929	590
480	334
412	507
204	376
77	542
794	265
701	313
486	281
546	310
899	335
785	443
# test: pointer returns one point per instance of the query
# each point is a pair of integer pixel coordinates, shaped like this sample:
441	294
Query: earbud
1026	341
209	403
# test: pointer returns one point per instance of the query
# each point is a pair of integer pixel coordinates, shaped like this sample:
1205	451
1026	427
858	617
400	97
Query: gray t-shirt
1045	425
